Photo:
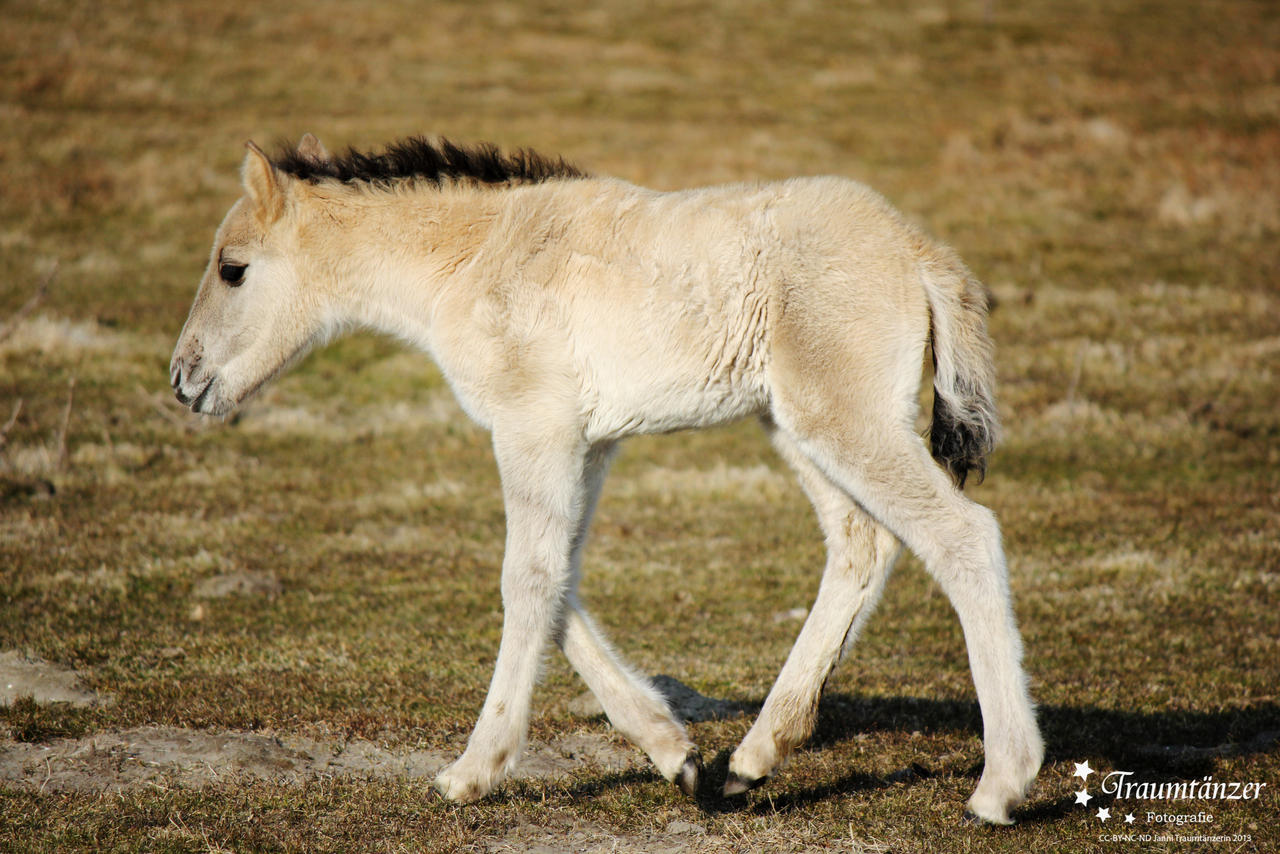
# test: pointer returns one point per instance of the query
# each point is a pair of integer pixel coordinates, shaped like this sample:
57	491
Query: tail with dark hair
965	425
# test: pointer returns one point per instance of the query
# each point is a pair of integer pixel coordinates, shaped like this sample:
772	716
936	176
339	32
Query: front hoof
736	784
690	773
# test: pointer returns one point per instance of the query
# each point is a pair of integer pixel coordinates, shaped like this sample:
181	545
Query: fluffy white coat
569	314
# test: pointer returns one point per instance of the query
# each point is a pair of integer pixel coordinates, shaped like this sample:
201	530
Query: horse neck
402	253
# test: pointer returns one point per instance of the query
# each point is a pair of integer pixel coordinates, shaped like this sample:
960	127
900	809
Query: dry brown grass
1109	169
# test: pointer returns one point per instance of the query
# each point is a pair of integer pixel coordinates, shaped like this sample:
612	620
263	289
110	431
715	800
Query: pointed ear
262	183
313	149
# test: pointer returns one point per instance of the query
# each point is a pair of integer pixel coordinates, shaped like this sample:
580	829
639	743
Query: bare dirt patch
675	837
241	582
114	761
43	682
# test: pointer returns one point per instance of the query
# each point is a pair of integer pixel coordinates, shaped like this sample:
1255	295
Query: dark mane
419	159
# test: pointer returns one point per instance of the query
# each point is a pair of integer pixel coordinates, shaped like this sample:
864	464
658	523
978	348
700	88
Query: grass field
319	576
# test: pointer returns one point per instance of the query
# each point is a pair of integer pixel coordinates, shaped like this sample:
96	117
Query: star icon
1128	818
1083	797
1083	770
1103	813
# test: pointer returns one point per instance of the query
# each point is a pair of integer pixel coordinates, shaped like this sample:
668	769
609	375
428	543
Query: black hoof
737	785
690	773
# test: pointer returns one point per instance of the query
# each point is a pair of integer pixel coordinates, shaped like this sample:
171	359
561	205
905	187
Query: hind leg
883	465
632	705
860	555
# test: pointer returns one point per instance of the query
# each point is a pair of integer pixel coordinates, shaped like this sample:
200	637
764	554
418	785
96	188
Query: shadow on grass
1175	744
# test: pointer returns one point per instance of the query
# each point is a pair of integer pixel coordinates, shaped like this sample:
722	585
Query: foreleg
542	482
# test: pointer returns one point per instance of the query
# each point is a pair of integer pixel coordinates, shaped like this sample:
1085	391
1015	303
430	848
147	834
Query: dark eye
232	274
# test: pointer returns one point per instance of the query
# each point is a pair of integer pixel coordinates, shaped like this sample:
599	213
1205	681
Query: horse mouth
211	399
196	403
218	395
200	398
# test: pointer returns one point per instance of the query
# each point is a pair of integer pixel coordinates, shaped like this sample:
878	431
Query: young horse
568	312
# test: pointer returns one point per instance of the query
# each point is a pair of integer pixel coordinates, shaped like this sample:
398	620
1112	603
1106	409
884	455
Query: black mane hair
420	159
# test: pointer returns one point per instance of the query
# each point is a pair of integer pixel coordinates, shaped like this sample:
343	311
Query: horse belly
672	376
